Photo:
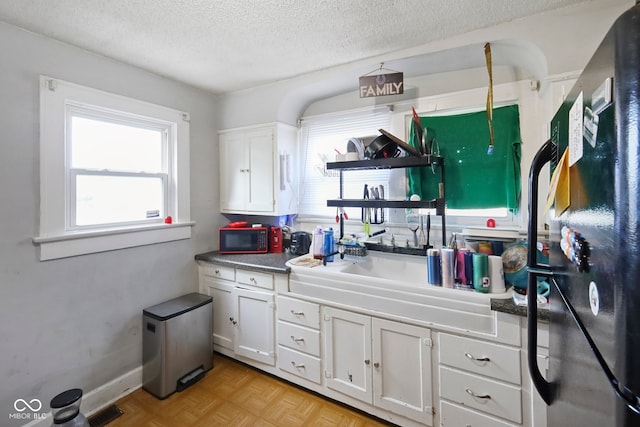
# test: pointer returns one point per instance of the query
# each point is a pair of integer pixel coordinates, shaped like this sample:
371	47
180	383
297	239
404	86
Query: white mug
496	273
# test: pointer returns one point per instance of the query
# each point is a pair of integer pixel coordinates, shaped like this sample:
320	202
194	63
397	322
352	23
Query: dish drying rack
353	250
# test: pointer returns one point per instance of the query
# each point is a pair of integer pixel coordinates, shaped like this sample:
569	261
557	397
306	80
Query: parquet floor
233	394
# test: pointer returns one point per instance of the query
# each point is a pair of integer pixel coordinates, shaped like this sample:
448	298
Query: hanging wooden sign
381	85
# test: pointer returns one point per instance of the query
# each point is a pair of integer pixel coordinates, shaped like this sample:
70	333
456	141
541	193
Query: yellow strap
487	54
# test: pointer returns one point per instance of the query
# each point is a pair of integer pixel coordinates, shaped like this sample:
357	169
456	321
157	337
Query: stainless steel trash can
177	348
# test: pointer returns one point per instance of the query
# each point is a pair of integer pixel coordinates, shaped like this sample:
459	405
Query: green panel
473	178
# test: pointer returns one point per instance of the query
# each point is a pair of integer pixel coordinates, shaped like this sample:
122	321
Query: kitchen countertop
508	306
276	263
270	262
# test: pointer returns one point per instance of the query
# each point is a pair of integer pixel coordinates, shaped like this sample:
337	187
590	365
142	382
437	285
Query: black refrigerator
594	240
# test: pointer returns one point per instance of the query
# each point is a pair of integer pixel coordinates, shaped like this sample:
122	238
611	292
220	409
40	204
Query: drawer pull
477	396
477	359
253	279
297	366
217	271
297	313
297	339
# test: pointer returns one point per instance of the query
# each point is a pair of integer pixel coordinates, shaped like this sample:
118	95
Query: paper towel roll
447	261
481	279
496	274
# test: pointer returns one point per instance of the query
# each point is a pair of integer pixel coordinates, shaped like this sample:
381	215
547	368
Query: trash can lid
177	306
66	398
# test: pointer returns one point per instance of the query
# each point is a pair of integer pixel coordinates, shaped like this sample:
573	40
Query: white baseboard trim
103	396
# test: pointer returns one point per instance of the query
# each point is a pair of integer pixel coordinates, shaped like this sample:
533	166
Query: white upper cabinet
257	170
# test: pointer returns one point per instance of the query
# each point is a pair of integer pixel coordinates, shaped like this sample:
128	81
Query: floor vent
105	416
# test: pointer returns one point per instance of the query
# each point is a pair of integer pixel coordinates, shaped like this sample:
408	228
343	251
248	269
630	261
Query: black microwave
244	240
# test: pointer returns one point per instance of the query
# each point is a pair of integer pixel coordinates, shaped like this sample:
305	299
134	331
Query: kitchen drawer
299	364
255	278
503	363
543	335
495	398
299	312
456	416
219	272
299	338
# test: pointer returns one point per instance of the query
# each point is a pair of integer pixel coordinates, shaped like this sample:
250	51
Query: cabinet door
402	370
348	353
223	313
254	336
234	172
260	194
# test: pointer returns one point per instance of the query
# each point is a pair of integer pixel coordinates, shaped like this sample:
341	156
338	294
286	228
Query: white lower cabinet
385	367
243	314
480	382
383	363
457	416
299	338
254	332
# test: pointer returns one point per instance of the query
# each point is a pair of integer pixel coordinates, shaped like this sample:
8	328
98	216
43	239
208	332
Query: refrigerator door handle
542	157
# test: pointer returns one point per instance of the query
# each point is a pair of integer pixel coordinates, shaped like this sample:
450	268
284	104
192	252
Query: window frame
326	122
56	239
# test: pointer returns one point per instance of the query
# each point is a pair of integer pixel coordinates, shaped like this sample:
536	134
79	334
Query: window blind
322	138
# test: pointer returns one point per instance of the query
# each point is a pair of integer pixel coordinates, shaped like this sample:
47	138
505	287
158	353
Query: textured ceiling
228	45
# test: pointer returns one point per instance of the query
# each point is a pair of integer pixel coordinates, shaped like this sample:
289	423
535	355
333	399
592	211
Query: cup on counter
341	157
350	156
481	279
496	274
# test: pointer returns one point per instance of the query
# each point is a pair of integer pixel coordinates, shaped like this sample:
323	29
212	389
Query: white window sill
81	243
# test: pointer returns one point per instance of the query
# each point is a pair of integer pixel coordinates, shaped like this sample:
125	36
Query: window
321	138
113	170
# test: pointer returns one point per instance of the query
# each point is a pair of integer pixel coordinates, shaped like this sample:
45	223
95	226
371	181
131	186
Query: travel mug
434	274
447	262
481	280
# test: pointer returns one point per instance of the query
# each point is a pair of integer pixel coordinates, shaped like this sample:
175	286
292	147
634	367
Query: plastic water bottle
328	244
318	243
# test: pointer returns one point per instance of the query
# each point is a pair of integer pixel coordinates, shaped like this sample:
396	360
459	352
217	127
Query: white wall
76	322
561	40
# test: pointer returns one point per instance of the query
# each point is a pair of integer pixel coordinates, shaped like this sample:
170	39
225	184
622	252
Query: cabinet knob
217	271
477	359
367	362
232	320
477	396
376	365
253	280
